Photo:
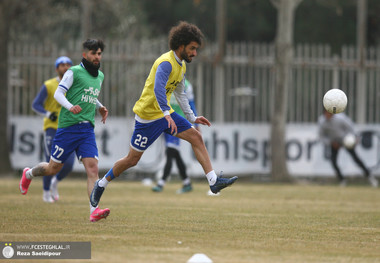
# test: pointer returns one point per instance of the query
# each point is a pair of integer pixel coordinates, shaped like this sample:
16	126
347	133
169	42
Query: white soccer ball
335	101
349	141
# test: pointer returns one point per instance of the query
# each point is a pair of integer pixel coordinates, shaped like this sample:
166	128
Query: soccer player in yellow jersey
154	115
45	105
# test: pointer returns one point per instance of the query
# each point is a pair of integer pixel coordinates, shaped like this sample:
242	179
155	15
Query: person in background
155	116
336	132
78	93
45	105
173	145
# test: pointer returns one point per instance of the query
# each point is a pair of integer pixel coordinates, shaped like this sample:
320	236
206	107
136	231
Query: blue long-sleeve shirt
39	100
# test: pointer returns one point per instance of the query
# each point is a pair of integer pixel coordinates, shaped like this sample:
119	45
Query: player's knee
91	166
93	169
196	139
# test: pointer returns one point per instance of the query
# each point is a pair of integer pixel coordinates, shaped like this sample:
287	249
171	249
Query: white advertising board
233	148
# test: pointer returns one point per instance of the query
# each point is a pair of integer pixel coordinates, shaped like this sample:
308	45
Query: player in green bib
78	93
87	89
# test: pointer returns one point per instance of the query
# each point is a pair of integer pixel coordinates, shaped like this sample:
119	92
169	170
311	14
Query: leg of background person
186	183
180	164
334	161
359	161
168	164
372	180
167	169
46	195
66	169
46	180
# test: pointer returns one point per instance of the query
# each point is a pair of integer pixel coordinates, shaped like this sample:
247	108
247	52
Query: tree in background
314	17
255	20
283	60
11	12
58	22
6	10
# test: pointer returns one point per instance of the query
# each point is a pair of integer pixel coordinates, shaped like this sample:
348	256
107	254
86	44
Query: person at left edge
81	84
45	105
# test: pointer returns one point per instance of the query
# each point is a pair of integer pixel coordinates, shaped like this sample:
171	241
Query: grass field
247	223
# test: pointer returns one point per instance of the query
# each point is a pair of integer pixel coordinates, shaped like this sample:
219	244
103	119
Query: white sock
103	182
211	177
161	182
47	196
54	182
186	181
29	174
92	209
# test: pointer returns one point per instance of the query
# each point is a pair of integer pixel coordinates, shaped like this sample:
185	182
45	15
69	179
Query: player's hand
202	120
53	116
335	145
104	112
171	125
75	109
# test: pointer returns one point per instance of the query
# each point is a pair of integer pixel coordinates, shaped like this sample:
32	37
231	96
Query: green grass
247	223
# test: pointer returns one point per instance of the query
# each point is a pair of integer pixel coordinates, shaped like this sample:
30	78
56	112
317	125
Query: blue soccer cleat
222	183
96	194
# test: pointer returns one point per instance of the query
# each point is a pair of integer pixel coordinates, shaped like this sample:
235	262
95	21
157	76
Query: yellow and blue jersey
163	79
45	101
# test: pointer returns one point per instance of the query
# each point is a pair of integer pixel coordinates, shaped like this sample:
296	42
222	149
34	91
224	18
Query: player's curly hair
93	44
183	34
